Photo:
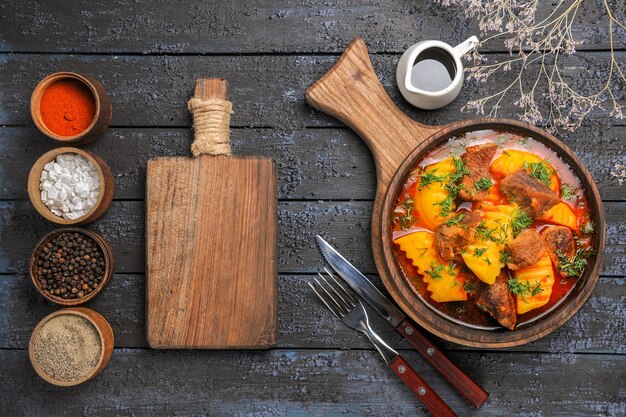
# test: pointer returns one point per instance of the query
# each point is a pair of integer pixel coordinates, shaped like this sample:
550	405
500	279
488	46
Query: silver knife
473	392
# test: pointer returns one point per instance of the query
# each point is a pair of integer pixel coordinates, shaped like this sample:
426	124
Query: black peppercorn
71	265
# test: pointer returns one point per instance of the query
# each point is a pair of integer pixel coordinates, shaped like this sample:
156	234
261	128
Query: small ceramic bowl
105	334
104	246
101	119
107	187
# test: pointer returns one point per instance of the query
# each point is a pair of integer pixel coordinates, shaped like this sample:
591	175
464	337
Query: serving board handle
352	93
211	117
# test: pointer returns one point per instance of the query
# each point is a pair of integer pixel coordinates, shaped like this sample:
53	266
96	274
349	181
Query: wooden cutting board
211	231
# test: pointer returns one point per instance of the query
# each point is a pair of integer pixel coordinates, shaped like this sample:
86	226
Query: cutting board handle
352	93
211	117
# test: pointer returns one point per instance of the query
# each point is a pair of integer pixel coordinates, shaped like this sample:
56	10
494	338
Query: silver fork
351	312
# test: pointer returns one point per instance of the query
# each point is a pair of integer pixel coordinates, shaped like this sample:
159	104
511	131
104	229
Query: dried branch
536	48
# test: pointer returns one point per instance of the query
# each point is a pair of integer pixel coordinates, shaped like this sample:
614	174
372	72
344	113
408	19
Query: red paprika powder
67	107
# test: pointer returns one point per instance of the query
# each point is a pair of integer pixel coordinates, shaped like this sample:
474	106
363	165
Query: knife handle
473	392
420	388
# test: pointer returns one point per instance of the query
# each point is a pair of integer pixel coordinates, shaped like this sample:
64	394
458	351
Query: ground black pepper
67	347
69	266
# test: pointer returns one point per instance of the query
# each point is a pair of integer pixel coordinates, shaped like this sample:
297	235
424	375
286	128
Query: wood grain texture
313	164
296	383
352	93
268	89
346	224
312	327
211	252
148	55
252	26
211	235
422	391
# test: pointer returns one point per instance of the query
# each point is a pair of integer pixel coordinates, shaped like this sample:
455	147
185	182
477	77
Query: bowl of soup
495	232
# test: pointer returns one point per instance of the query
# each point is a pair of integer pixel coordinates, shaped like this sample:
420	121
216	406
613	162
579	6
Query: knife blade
473	392
360	284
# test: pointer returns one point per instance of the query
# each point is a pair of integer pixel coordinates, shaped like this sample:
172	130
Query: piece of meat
525	250
533	196
498	302
451	239
559	238
477	160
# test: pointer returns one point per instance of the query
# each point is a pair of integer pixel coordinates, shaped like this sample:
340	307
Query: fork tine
342	310
353	301
346	305
323	299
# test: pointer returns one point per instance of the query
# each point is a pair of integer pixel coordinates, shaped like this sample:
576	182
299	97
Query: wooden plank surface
211	262
345	223
311	328
267	90
325	383
312	164
148	56
251	26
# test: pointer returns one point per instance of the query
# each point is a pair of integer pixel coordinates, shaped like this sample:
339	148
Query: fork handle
473	392
420	388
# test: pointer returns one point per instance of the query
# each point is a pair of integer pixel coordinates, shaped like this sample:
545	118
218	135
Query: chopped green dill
428	178
519	222
423	250
487	261
506	153
406	219
460	170
524	289
456	221
451	270
484	232
567	191
446	206
500	141
588	228
483	184
540	171
435	270
524	142
453	189
503	233
479	252
455	283
505	256
575	266
481	229
470	286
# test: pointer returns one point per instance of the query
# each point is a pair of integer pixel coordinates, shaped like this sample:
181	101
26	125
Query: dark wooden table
148	55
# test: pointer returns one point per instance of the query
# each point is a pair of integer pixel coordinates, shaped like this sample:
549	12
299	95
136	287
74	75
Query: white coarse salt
70	186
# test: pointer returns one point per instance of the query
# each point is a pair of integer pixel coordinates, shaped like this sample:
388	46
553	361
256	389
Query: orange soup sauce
406	220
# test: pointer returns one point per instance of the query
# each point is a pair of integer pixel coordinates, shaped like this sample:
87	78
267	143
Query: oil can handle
465	46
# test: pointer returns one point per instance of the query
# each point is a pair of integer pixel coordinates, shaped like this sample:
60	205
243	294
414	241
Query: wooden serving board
211	231
352	93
